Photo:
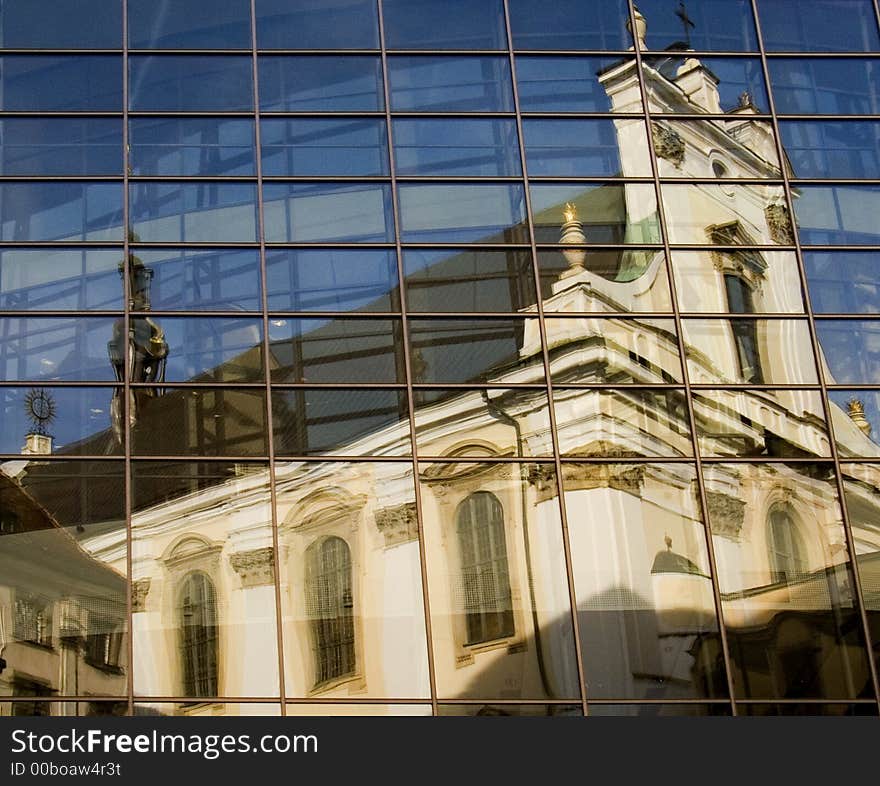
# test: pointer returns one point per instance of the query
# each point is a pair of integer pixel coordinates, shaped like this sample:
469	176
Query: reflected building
539	390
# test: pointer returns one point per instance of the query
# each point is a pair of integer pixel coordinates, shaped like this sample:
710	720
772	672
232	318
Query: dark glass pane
510	710
657	710
191	146
335	350
317	24
310	422
720	25
806	710
64	279
825	86
55	348
571	84
66	421
714	84
184	24
191	83
61	24
332	279
444	24
843	281
855	415
328	212
786	582
465	83
320	147
843	215
320	83
60	146
818	26
586	148
359	710
192	279
193	212
462	212
198	422
825	148
569	24
772	423
850	349
468	280
459	147
78	83
595	213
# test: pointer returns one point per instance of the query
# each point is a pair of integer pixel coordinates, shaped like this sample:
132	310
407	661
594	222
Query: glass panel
358	710
63	279
60	211
335	350
198	349
826	148
191	146
191	83
320	147
326	421
815	710
193	212
69	421
444	24
823	26
474	350
198	422
720	25
61	24
328	212
55	348
351	597
837	215
633	421
757	351
850	351
569	24
591	349
454	146
501	615
586	280
825	86
320	83
586	148
771	278
573	84
468	280
462	212
192	279
657	710
793	630
843	281
708	84
595	213
511	710
204	592
332	279
646	610
317	24
59	585
60	83
208	709
480	423
465	83
184	24
773	423
855	415
60	146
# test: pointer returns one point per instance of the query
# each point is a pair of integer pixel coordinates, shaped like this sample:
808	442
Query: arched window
745	333
330	608
485	574
198	636
787	553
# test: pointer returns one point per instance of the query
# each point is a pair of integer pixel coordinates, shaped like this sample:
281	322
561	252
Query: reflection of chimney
856	411
37	445
573	235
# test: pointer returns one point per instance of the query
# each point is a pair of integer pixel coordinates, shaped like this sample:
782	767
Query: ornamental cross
686	22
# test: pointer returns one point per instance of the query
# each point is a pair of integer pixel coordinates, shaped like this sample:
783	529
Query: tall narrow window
33	619
331	608
787	558
745	333
485	574
198	636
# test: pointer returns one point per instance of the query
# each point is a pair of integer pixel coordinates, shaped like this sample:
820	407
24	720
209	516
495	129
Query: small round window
718	169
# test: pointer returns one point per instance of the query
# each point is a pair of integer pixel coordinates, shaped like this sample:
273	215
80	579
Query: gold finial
856	411
570	212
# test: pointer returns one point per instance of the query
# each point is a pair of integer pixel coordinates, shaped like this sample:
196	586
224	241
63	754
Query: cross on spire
686	22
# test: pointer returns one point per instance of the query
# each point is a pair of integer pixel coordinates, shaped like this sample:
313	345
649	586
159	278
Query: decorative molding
779	224
668	144
398	524
584	477
256	567
139	591
726	514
